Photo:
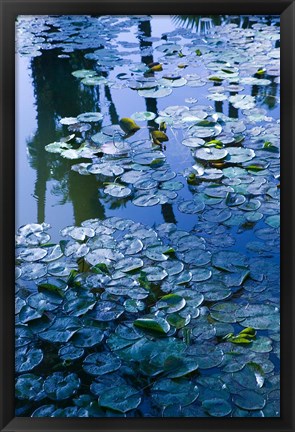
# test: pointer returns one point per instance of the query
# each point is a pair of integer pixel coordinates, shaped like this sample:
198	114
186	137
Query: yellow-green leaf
128	125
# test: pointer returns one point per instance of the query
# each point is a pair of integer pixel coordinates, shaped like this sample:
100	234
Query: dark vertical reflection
145	31
58	94
232	111
112	108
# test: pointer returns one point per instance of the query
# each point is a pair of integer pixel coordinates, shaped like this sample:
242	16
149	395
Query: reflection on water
57	97
195	257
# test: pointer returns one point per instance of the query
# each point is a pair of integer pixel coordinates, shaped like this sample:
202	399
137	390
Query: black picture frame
9	9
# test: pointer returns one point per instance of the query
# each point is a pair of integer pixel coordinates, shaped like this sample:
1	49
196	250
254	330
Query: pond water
147	216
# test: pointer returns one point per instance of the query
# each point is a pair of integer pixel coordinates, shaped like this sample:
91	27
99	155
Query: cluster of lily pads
124	319
119	313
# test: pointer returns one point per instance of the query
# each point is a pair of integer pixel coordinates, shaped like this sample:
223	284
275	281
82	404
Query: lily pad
106	311
118	191
27	359
87	337
121	398
158	325
211	154
239	154
62	329
90	117
29	387
168	392
249	400
101	363
217	407
156	93
143	116
146	200
60	386
70	352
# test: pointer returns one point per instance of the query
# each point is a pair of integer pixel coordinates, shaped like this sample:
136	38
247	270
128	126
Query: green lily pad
79	306
217	215
94	80
143	116
229	261
148	158
87	337
146	200
29	387
101	363
62	329
68	121
242	101
217	407
211	154
33	271
158	325
249	400
44	411
239	154
106	311
171	303
193	142
168	392
60	386
118	191
106	169
156	93
28	314
27	359
121	398
70	352
90	117
83	73
129	264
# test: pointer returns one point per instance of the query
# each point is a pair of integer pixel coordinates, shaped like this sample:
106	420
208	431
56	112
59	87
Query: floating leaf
70	352
128	125
159	137
83	73
155	92
217	407
239	154
62	329
117	190
143	116
29	387
129	264
68	121
146	200
33	271
57	147
242	101
159	326
217	215
94	80
121	398
27	359
229	260
90	117
106	311
148	158
171	303
211	154
101	363
249	400
168	392
87	337
60	386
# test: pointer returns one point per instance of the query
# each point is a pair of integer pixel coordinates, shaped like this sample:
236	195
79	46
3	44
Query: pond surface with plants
147	246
